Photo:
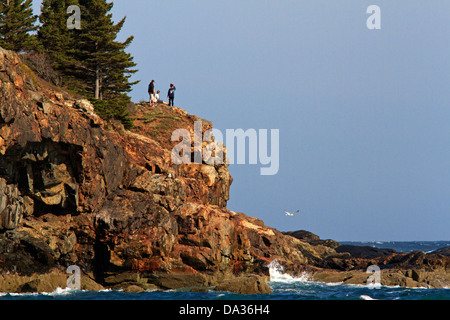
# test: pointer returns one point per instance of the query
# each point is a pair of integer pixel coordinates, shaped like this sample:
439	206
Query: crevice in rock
41	208
266	241
153	168
48	172
101	260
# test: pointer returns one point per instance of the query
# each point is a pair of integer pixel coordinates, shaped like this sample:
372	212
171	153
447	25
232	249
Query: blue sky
364	115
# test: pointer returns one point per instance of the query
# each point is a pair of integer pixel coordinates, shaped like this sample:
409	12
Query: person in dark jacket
171	94
151	92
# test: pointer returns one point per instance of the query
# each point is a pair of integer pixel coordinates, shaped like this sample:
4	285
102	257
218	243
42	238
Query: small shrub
113	109
41	65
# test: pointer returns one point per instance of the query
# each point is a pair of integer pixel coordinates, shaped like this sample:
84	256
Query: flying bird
291	213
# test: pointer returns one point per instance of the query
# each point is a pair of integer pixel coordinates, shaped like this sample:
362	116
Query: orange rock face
126	205
75	189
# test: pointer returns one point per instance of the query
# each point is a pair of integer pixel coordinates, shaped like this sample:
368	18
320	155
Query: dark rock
445	251
24	254
31	286
327	243
302	235
312	238
203	290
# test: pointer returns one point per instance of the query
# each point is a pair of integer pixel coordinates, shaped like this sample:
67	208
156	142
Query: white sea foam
56	292
365	297
13	294
62	292
277	274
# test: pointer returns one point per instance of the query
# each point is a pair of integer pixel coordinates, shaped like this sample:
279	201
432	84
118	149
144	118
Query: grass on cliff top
156	115
157	122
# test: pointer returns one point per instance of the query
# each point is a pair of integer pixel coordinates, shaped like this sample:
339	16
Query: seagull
291	213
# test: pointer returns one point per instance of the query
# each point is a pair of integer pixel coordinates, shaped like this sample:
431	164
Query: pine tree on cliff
104	66
92	61
16	23
57	40
53	32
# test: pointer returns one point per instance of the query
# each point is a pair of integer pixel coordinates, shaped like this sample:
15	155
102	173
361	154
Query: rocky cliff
76	190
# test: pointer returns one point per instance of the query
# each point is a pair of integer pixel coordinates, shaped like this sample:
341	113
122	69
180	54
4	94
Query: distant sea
284	287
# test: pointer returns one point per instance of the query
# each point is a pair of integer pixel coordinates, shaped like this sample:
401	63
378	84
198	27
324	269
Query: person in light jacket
151	92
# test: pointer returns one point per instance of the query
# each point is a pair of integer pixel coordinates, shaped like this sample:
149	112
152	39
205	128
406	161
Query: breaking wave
277	274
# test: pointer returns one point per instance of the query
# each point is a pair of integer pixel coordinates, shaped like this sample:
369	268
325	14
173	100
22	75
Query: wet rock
177	280
122	277
251	284
44	282
133	289
364	252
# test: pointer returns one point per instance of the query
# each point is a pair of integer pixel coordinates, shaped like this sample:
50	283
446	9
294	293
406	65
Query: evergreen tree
58	42
53	33
16	23
103	64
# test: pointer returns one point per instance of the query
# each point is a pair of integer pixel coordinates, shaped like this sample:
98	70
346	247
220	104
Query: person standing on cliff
151	92
171	94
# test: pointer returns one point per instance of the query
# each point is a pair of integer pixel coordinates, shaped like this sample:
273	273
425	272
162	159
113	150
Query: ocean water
284	286
402	246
